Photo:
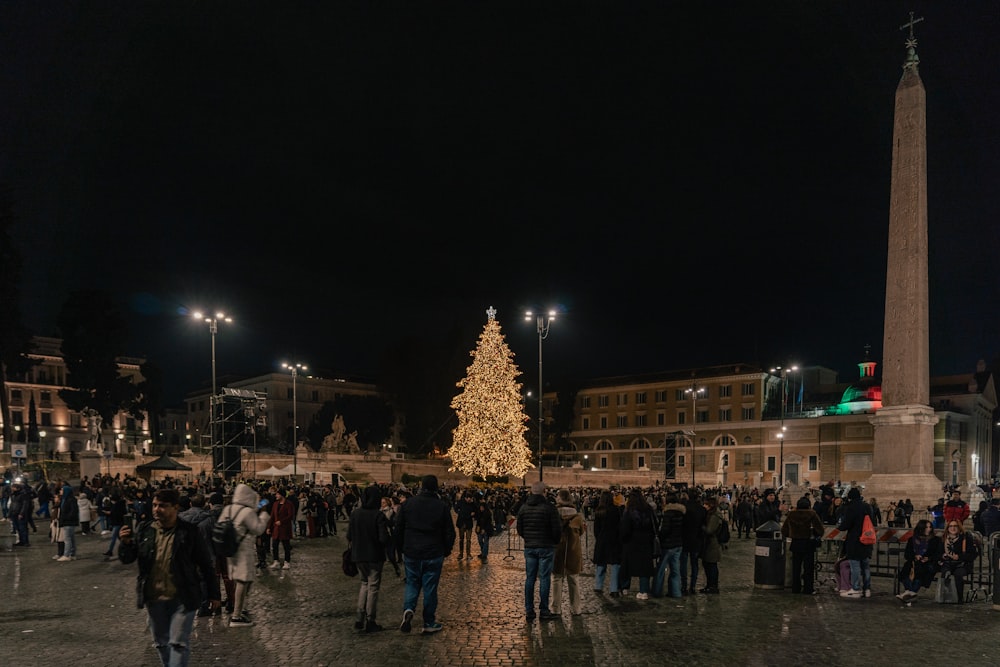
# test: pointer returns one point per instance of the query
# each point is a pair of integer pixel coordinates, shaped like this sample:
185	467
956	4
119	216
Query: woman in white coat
250	518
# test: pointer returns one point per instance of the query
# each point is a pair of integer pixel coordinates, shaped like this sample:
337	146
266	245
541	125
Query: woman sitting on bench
923	554
960	553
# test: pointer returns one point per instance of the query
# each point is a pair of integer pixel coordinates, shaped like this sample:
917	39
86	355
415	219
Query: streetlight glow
695	392
213	328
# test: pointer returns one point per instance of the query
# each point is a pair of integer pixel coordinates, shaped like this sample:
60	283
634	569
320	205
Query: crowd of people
650	541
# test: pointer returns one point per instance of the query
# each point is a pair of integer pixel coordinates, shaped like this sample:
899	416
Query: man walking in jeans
539	525
425	535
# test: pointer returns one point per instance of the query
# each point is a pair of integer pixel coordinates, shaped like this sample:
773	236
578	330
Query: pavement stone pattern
83	613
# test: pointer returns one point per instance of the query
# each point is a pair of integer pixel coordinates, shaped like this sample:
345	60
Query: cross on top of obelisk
912	41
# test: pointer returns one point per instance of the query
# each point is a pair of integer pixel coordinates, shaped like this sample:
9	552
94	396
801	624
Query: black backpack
224	538
722	533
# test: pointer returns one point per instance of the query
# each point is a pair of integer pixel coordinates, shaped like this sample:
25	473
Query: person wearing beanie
368	535
803	526
858	554
539	525
568	561
425	535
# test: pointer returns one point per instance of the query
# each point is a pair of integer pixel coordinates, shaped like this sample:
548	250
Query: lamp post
542	323
41	445
781	434
121	442
695	392
213	328
295	368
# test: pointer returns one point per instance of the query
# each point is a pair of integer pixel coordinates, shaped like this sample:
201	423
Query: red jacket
956	510
285	514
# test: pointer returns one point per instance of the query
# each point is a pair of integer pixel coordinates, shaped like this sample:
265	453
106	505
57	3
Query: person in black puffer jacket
540	527
672	542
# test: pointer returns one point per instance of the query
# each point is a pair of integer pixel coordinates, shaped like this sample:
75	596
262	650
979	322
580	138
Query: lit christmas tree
489	439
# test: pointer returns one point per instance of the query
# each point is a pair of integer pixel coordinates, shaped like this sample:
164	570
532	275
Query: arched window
603	445
724	441
640	443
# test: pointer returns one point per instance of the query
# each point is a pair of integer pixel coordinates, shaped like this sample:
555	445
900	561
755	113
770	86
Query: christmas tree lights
489	439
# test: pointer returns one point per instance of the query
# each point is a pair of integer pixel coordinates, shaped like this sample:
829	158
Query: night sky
688	183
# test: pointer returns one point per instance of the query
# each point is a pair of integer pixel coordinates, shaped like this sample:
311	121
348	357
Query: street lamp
213	328
542	322
695	392
121	442
781	434
41	445
295	413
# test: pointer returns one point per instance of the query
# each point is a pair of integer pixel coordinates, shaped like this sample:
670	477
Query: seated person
960	553
923	554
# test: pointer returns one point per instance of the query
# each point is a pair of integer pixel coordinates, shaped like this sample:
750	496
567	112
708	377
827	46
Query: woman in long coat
568	561
607	544
636	531
243	565
711	551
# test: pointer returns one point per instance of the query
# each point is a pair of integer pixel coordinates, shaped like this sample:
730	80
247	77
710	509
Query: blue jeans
114	538
484	543
671	559
43	509
170	624
612	570
20	527
537	565
69	537
422	574
861	575
689	558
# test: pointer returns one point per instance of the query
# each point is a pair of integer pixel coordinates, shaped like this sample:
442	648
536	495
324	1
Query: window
642	461
702	461
640	398
46	397
602	401
725	441
702	416
16	396
813	462
586	423
661	396
288	393
747	461
725	390
604	422
46	419
679	395
661	419
749	414
315	396
622	399
603	445
681	418
681	461
771	463
725	414
749	389
585	401
640	420
622	421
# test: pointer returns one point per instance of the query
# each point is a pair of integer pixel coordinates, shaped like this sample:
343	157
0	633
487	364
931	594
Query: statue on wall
352	442
94	421
336	442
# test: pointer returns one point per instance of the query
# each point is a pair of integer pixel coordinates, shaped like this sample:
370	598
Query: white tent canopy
271	472
290	470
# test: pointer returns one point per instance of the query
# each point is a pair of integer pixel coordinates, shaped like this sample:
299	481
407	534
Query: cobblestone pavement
83	613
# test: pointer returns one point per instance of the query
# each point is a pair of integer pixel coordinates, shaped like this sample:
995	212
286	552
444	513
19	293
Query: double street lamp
783	372
542	323
213	328
295	368
695	391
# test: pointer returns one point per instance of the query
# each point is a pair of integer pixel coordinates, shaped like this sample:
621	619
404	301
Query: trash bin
769	557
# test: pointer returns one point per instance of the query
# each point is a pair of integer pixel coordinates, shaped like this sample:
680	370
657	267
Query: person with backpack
858	555
250	518
802	525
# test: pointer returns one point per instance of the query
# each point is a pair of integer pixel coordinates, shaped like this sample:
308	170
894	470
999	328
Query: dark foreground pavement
83	613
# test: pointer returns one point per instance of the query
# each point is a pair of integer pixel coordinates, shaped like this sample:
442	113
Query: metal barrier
889	554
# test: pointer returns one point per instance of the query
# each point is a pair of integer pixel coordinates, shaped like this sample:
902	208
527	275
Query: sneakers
275	565
868	592
906	595
430	628
65	559
286	566
851	593
240	622
641	596
56	557
406	625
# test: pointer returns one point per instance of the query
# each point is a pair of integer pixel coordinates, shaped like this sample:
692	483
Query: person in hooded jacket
250	518
607	545
368	536
637	529
672	543
568	561
802	525
857	554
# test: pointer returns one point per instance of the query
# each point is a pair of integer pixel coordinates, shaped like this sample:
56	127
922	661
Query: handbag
657	547
348	564
946	591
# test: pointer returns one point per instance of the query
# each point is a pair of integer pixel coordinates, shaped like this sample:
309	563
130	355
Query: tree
489	439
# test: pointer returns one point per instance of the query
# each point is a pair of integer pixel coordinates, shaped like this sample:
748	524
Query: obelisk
903	453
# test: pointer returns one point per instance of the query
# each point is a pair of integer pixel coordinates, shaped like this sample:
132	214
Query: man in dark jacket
368	535
202	517
991	518
19	509
672	542
540	527
174	563
465	520
425	535
857	554
694	520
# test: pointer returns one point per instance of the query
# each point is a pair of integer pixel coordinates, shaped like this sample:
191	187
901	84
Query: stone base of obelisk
922	490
